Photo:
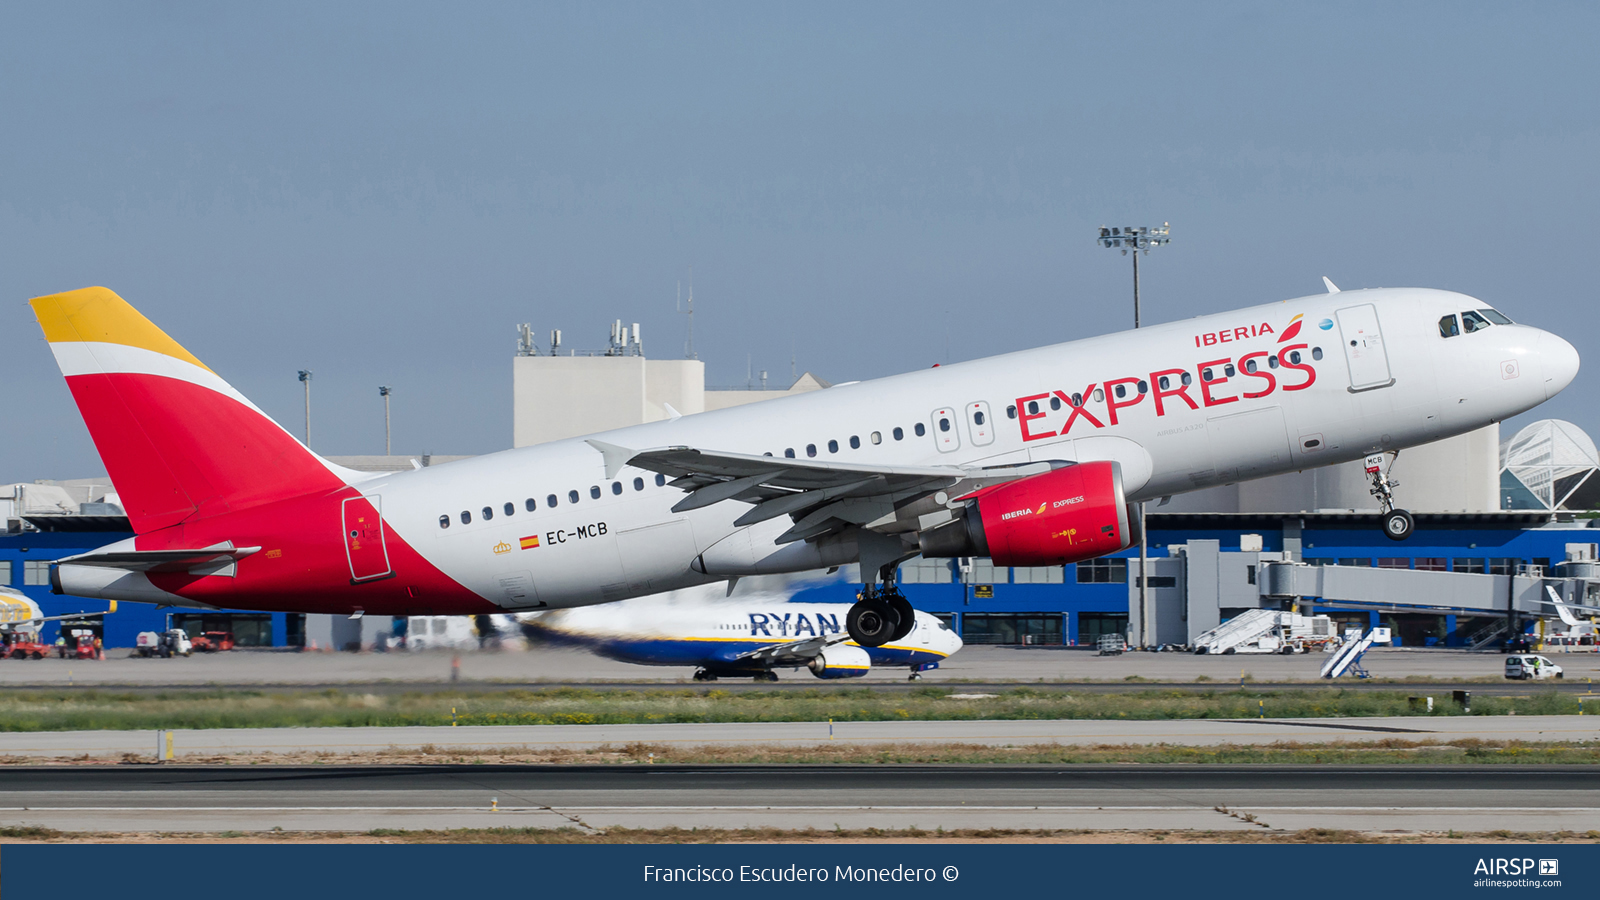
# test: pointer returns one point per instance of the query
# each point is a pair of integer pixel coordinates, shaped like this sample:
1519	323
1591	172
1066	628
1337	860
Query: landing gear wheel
1398	525
917	676
871	622
903	611
703	675
768	675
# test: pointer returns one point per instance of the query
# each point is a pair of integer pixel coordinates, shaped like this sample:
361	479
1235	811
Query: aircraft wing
793	651
820	495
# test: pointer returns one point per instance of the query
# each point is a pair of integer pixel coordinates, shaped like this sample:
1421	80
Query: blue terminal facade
1078	603
1051	606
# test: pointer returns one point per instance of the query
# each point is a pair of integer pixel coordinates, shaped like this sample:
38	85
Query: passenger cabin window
1122	391
1011	411
1471	321
921	429
550	501
944	424
877	437
594	492
488	513
1033	407
1294	357
466	517
789	452
572	496
1316	352
638	484
1186	378
1077	399
811	449
1272	361
444	521
616	487
977	418
855	442
661	480
899	433
1055	402
1099	396
510	508
530	505
833	446
1449	327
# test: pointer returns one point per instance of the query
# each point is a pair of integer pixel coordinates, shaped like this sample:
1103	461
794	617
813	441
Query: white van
1524	666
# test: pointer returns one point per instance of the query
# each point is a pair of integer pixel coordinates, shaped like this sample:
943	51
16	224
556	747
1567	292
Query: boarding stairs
1488	635
1346	660
1250	625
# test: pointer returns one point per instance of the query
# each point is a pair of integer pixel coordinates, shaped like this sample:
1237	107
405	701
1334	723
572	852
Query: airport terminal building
1515	509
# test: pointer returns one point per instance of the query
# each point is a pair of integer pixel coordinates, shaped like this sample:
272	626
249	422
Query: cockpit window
1449	327
1471	321
1495	316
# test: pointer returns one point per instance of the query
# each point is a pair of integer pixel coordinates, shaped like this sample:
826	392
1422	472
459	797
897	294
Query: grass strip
45	710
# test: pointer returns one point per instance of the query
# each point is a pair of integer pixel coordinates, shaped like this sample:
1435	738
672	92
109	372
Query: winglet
1332	288
671	413
1561	608
615	457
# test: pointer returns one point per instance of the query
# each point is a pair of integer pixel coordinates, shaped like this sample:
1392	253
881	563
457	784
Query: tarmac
1220	798
972	664
1005	732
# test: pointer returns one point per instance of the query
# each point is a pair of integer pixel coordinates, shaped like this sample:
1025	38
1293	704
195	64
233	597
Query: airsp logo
1549	867
1501	866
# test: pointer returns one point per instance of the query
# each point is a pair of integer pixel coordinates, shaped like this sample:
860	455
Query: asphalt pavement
359	798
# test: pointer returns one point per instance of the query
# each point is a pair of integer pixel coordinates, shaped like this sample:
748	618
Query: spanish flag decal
530	542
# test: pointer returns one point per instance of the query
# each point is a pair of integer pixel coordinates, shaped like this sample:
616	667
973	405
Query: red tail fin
178	442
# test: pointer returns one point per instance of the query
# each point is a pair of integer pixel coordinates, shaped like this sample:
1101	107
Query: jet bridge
1199	586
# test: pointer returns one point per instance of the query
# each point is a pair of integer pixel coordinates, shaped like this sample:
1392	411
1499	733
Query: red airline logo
1266	371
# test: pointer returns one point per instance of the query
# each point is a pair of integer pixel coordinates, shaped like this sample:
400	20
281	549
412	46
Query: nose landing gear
1397	523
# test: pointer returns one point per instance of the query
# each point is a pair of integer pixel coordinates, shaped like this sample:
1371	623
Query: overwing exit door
363	539
1363	347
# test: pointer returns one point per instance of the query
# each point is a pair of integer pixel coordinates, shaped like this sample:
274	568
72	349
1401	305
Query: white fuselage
716	635
1372	372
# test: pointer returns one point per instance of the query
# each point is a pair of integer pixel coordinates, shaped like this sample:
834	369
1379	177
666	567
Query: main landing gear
1397	523
879	616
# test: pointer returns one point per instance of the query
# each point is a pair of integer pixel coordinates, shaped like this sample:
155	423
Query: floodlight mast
383	391
1139	239
305	379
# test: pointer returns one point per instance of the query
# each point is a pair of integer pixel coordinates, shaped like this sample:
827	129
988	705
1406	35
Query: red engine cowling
1073	513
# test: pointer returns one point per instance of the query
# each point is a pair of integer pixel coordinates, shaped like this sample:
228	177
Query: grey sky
381	192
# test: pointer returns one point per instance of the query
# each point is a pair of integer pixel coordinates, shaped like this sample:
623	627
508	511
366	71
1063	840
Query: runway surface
552	667
359	798
1188	732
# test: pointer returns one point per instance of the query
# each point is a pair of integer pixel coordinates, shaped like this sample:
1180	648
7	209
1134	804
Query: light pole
305	379
1138	239
383	391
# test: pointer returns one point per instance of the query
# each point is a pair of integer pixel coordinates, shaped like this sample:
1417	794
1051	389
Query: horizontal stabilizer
151	560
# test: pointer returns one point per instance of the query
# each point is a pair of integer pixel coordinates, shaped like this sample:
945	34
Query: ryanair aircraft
747	637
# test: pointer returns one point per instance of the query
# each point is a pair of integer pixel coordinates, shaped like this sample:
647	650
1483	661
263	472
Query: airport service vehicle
78	643
745	637
26	646
212	642
1526	666
165	644
1031	458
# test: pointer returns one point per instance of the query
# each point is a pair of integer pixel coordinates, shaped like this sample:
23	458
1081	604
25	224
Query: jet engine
1062	516
840	661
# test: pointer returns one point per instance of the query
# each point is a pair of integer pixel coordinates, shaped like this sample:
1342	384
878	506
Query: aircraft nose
1559	361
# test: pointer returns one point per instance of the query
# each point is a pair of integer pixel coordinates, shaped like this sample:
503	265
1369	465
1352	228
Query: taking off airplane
1031	458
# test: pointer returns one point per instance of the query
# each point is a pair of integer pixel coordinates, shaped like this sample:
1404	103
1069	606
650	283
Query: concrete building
568	394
